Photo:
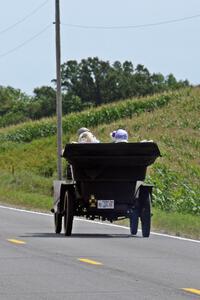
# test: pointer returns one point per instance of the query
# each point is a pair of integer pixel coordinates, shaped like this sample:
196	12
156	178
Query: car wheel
134	219
146	217
69	212
58	222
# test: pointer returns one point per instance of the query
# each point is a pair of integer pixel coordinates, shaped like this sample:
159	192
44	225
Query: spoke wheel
69	212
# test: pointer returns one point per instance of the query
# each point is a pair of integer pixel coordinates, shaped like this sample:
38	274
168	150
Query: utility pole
58	90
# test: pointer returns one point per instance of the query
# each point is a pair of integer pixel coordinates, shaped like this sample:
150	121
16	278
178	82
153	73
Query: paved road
96	262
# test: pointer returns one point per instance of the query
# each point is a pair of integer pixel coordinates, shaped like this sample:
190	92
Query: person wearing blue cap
121	136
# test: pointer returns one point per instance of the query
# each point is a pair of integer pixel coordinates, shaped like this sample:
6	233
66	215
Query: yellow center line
193	291
89	261
14	241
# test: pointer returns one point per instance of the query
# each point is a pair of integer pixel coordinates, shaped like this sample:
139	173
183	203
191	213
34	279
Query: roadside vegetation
26	132
28	166
85	84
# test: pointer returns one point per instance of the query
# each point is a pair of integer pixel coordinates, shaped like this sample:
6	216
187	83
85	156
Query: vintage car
105	181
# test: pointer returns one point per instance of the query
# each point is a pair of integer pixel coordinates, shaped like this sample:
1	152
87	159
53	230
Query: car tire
58	222
145	217
134	219
69	212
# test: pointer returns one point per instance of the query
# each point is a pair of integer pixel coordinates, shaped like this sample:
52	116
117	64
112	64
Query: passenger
81	130
87	137
121	136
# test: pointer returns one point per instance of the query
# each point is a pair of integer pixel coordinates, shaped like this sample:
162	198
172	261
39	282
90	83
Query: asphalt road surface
96	262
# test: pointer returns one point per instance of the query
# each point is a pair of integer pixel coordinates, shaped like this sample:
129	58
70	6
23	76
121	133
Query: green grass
32	201
28	169
184	225
25	189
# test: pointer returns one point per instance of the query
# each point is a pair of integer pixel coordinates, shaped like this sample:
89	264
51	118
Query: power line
26	42
25	18
131	26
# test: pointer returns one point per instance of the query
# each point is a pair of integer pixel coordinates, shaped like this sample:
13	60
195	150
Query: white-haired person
82	130
86	136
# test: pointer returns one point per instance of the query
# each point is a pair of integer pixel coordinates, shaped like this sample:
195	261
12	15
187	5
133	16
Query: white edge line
24	210
100	223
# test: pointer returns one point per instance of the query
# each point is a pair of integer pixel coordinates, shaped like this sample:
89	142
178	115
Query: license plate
105	204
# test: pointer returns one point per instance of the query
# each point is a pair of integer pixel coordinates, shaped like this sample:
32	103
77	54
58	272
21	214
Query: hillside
28	169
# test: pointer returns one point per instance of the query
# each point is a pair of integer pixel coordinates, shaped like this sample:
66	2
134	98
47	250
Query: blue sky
27	37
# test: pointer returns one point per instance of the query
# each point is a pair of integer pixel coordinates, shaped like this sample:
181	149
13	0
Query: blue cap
121	135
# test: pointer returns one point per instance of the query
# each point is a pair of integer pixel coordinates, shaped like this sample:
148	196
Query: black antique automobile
105	181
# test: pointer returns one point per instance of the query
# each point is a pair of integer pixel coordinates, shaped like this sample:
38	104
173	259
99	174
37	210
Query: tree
13	106
71	103
143	85
84	84
43	102
171	81
158	82
9	97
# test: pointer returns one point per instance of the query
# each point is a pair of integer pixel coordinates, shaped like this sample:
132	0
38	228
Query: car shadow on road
77	235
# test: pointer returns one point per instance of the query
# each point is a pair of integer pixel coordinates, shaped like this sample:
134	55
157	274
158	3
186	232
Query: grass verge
177	224
26	190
